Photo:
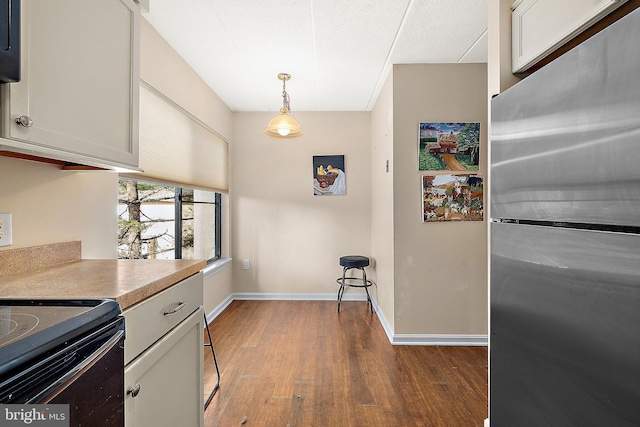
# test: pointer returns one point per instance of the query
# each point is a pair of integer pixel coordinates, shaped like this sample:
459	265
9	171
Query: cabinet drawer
147	321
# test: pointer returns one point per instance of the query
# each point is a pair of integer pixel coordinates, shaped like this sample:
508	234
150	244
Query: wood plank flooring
300	363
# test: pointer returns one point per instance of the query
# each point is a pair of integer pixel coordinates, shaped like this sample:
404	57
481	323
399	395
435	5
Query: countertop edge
142	293
128	282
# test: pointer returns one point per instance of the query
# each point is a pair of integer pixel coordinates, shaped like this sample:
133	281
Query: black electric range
47	348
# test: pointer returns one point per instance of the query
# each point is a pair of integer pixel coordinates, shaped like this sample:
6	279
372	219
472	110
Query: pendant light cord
285	97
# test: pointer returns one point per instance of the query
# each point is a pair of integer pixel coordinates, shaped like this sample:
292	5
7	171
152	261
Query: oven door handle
64	381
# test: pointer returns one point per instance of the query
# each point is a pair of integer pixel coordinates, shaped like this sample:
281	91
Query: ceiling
338	52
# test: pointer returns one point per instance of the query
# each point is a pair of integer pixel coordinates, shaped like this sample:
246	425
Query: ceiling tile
478	52
338	53
438	31
352	46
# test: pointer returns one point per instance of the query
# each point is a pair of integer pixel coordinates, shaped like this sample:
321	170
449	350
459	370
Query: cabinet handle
180	306
134	390
25	121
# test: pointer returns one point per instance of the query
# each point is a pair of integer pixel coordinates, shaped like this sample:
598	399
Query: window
157	221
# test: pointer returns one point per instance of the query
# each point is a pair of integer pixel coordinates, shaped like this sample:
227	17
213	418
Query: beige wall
166	71
218	287
499	72
49	205
292	238
440	268
382	200
162	68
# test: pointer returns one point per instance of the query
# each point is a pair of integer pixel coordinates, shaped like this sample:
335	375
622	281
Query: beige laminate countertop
126	281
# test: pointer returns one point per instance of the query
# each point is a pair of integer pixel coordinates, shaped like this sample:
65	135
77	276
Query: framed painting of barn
448	146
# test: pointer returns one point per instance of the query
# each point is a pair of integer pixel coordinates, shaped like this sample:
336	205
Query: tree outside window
157	221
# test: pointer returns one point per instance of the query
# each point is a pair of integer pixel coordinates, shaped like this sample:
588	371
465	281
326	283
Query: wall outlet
246	264
5	229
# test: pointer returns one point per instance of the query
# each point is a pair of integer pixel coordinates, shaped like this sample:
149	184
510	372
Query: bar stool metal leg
365	285
341	290
215	362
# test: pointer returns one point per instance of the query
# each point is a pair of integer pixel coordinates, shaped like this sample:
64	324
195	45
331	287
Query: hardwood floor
300	363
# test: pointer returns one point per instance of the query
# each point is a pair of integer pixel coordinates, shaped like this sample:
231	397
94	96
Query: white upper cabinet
78	96
538	27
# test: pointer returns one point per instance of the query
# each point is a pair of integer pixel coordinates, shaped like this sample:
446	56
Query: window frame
179	202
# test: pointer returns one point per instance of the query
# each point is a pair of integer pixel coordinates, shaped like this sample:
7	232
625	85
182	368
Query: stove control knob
134	390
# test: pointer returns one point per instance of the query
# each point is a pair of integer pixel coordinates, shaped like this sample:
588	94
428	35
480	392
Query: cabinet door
541	26
164	385
79	81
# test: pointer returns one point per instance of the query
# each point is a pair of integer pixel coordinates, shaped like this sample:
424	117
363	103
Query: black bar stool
358	262
215	362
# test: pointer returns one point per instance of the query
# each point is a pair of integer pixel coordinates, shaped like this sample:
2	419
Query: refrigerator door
565	141
565	327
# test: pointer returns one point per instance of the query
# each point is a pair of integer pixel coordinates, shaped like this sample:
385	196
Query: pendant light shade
284	125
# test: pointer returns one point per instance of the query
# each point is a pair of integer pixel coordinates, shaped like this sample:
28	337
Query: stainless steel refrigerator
565	239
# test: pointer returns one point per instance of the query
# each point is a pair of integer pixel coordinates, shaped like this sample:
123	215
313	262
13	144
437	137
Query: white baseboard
395	339
299	297
383	320
219	308
440	339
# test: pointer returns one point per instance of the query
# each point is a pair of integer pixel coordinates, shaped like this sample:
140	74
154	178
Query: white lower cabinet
164	383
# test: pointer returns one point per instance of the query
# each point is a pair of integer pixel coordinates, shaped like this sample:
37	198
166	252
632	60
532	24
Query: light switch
246	265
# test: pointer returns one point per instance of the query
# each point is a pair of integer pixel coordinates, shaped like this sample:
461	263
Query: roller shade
177	148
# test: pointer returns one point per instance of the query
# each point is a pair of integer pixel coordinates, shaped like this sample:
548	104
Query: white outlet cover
6	239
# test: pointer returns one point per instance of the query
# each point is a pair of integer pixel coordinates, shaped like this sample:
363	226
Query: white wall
292	238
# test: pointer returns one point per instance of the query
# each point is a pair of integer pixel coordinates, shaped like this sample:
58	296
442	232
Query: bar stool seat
357	262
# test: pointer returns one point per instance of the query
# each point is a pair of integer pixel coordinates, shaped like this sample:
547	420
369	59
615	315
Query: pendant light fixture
284	126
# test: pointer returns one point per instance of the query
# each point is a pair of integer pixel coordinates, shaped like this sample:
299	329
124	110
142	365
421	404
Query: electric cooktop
30	328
